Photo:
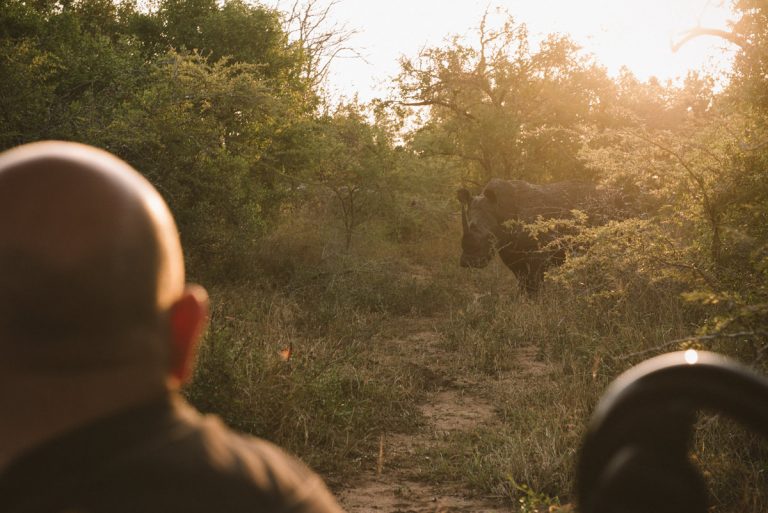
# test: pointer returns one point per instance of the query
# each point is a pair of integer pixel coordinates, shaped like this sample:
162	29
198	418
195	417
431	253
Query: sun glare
638	35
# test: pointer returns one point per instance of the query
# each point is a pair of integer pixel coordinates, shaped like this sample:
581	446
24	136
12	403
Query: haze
635	34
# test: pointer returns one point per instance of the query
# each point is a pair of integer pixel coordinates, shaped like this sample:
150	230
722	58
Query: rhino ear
464	196
488	193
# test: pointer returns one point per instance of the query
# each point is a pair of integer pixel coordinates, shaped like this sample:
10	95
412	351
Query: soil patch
456	404
457	410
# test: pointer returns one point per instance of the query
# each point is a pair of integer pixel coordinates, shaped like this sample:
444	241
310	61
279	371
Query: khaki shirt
161	457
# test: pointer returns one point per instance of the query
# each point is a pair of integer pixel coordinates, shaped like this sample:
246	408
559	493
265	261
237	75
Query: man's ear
188	320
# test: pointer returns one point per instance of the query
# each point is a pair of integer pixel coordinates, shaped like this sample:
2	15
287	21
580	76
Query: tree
65	72
199	132
505	109
204	125
319	41
702	157
347	156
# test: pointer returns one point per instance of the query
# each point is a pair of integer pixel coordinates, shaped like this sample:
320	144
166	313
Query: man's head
91	268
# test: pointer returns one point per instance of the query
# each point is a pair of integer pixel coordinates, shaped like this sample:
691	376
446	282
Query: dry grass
335	397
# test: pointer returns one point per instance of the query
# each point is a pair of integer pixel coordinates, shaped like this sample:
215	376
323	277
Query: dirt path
456	405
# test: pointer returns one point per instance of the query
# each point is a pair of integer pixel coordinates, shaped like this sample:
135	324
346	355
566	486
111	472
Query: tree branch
731	37
430	103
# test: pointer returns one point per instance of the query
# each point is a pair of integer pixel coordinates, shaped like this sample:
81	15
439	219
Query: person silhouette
98	332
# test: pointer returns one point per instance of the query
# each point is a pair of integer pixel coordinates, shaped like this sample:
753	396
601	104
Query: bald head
90	260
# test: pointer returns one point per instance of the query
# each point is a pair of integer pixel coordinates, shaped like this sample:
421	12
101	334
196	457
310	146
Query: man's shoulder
161	457
215	463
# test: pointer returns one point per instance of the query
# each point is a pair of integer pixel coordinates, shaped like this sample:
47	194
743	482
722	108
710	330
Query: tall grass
330	401
324	400
333	399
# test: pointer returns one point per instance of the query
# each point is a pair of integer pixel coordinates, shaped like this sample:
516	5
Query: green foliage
344	155
748	84
632	263
201	133
236	30
204	122
28	80
698	161
75	73
532	501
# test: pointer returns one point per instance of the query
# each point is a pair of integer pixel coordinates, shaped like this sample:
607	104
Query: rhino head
481	228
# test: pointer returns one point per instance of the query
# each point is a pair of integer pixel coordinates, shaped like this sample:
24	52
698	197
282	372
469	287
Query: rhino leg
531	281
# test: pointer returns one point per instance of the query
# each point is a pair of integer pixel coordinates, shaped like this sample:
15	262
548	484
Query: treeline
224	113
211	101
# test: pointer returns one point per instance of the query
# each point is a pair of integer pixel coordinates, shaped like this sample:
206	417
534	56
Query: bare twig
322	40
731	37
433	102
688	267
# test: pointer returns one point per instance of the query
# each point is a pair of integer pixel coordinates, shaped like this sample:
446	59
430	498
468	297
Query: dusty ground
457	404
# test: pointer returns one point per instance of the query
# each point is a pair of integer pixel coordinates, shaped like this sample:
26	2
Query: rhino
488	228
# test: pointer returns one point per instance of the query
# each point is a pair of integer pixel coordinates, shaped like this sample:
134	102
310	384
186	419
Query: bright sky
635	33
